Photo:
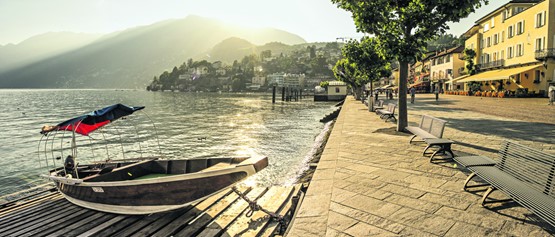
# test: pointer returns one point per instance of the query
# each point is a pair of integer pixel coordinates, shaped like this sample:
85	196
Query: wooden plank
8	206
202	220
89	223
272	201
30	208
120	225
232	213
271	228
16	225
184	219
102	226
44	224
161	222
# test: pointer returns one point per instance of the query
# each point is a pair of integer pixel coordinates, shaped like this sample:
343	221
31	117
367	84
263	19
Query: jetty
48	213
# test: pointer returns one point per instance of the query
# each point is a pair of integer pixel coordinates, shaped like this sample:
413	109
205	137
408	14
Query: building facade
445	66
514	48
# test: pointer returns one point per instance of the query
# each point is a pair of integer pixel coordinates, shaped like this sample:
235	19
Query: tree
368	58
469	55
403	27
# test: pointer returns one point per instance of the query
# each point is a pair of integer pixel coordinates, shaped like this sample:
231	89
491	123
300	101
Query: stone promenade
371	182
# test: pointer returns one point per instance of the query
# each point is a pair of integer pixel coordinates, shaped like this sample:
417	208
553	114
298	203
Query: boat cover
88	123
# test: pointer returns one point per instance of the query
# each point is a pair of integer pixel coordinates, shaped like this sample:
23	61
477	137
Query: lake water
188	125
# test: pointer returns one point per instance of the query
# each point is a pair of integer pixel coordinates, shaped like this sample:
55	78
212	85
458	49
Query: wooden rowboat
137	186
152	185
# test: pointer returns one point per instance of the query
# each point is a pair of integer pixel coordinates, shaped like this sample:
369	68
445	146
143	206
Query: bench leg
470	177
413	136
426	149
486	194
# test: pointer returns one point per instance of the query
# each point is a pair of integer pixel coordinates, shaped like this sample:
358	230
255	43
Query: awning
388	86
457	80
501	74
94	120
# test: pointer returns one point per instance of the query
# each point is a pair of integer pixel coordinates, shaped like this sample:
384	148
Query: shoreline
306	174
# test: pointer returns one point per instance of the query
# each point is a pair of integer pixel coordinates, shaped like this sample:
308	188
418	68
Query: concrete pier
371	181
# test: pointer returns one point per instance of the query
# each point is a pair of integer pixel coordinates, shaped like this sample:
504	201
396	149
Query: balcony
545	54
492	64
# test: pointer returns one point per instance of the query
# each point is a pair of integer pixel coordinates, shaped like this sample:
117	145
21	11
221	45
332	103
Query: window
448	58
520	27
495	56
495	39
511	32
489	42
537	76
502	36
492	22
502	54
517	78
337	90
519	50
540	19
539	44
505	15
486	27
510	52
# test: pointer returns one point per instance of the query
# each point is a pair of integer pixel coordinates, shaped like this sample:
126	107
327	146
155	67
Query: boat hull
156	194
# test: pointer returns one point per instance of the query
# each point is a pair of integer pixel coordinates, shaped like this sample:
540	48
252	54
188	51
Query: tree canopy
363	62
403	27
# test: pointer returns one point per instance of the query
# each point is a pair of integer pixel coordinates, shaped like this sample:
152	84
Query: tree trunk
402	119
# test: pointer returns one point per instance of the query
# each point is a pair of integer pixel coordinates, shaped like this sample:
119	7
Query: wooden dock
224	214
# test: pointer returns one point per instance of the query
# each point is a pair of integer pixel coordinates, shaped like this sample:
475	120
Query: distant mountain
42	46
129	59
230	49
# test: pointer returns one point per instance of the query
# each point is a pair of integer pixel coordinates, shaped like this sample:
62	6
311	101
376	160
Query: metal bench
429	127
378	106
525	175
388	113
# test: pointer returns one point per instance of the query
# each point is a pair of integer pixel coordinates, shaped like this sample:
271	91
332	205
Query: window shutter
544	17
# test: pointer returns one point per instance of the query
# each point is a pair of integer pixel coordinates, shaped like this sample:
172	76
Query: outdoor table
443	144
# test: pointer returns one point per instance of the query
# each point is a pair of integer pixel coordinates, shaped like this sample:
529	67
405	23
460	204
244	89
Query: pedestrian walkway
371	181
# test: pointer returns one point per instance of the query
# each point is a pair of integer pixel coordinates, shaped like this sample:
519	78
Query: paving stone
323	174
368	218
405	191
454	202
486	221
423	221
320	187
340	195
340	222
335	233
308	227
363	229
413	203
367	191
372	205
316	206
463	229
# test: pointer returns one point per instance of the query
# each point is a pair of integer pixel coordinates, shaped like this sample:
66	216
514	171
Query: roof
458	49
505	5
337	83
472	29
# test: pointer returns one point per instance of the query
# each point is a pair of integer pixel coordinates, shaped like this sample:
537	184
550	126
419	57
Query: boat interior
147	168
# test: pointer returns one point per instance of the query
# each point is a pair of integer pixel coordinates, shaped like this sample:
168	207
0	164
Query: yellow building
515	49
446	65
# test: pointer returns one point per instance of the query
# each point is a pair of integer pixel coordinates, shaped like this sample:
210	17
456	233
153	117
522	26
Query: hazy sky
314	20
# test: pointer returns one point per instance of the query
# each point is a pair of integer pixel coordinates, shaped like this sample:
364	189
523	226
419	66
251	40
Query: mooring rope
253	206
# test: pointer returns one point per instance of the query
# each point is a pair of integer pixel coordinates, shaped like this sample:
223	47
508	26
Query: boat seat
219	166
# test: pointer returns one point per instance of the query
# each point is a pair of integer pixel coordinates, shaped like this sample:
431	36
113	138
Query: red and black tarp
94	120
